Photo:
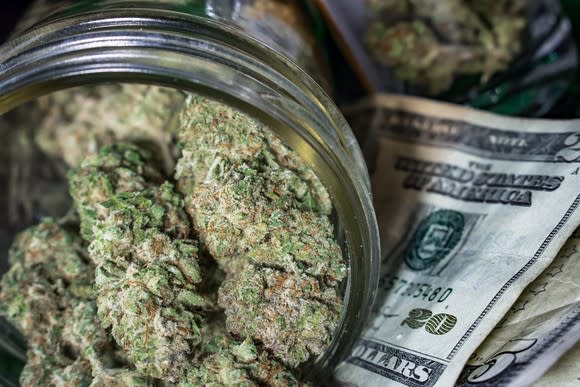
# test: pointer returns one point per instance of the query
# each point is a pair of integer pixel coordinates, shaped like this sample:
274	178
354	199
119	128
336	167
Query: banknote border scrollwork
515	277
479	140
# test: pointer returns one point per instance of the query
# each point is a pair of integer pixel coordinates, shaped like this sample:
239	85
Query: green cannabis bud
48	295
78	122
146	282
229	362
146	268
294	316
431	42
118	168
214	136
263	215
47	268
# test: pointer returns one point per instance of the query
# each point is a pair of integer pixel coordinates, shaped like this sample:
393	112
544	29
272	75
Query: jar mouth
139	42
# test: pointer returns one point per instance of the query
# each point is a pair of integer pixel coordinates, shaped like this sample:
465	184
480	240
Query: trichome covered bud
47	294
147	269
78	122
293	315
146	282
430	42
263	215
121	167
235	363
49	270
214	136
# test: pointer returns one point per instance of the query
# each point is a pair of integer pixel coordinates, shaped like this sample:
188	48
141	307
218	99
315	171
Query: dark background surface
9	14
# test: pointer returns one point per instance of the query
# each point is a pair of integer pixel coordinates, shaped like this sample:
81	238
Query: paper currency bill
539	328
472	207
565	373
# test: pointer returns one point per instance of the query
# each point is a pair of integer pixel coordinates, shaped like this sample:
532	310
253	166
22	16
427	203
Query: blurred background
534	87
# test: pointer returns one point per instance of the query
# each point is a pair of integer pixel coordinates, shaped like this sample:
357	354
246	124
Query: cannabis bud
121	167
146	282
430	42
263	215
233	278
146	268
78	122
48	295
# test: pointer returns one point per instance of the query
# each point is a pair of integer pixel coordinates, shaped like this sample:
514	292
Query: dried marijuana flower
139	114
146	268
148	304
263	215
146	282
118	168
223	360
213	135
218	142
239	364
47	269
430	42
293	315
48	295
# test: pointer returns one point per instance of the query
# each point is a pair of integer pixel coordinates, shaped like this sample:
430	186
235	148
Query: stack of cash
480	280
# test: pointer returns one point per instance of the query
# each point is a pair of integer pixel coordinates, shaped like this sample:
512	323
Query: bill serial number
419	290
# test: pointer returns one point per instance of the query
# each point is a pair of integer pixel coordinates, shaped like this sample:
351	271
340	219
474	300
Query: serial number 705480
420	290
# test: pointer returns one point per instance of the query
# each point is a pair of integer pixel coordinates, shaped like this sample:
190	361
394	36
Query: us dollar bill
538	329
472	207
565	373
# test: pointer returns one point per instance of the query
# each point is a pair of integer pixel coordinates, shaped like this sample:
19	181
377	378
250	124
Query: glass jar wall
228	51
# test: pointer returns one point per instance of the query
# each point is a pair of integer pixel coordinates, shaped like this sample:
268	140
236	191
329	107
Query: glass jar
211	48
